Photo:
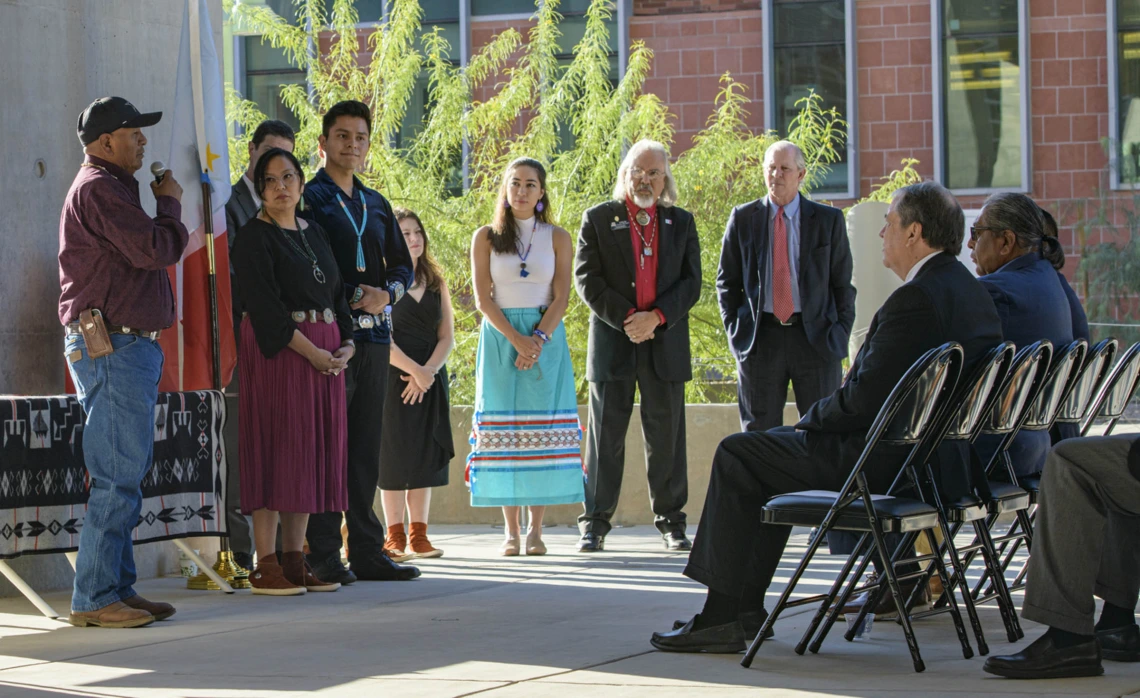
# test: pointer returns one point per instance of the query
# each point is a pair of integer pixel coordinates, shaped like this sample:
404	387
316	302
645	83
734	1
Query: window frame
852	117
938	99
1112	26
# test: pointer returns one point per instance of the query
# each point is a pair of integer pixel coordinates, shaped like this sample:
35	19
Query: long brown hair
504	233
428	272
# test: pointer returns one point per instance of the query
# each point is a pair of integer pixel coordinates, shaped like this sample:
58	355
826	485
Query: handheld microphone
158	170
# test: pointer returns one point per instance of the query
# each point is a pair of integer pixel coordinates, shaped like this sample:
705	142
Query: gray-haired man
638	268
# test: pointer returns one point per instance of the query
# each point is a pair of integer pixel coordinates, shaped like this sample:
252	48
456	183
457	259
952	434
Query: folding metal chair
1098	365
1115	393
902	421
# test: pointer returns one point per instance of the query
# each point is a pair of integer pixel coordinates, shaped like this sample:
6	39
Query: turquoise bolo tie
359	229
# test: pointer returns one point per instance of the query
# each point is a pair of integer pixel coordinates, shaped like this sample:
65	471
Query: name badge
620	225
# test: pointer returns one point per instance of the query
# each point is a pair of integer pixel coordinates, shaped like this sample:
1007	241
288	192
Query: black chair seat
1031	484
1007	498
965	509
897	515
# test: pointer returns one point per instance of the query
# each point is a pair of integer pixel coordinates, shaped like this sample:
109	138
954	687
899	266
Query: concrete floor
561	625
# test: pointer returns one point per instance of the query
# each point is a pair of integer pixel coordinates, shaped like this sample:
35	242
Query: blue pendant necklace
522	257
359	230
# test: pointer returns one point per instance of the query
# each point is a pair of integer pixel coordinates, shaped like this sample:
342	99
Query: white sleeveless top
509	288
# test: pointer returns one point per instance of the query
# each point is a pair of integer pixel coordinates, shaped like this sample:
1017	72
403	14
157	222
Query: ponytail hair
1050	244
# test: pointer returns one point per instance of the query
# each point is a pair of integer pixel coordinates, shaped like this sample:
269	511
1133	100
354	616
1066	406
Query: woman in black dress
416	445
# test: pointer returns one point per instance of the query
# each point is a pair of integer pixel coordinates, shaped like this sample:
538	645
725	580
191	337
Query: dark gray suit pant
782	354
1087	536
663	428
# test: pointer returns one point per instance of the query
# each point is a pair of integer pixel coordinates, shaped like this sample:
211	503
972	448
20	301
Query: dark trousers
782	354
663	429
366	385
734	553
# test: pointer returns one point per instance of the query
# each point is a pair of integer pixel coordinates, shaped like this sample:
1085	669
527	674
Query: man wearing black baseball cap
115	301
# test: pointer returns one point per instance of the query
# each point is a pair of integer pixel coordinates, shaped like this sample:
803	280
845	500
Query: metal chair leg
893	582
863	550
967	651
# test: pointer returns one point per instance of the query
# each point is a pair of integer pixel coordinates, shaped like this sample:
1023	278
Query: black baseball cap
109	114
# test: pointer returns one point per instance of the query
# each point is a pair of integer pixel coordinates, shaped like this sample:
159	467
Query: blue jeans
118	393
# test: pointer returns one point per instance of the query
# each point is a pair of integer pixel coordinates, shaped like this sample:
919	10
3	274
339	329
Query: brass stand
235	575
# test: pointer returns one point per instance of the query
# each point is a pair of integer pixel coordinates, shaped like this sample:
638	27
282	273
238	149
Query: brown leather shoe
396	543
299	573
269	579
158	609
419	543
115	615
886	609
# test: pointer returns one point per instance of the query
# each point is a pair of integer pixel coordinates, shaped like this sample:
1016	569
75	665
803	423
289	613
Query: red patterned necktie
782	306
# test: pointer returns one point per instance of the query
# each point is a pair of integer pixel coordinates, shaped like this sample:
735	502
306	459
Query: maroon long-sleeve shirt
112	255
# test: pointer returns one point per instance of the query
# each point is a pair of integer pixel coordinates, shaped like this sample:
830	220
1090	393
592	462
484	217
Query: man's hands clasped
640	326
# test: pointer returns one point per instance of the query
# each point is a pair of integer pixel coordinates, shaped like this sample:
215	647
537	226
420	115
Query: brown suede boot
159	609
297	571
396	542
269	579
115	615
420	545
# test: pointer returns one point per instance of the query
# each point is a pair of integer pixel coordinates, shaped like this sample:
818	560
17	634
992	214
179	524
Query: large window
983	127
266	70
1124	105
809	43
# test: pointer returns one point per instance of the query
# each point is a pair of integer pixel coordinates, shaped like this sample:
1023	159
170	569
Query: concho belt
327	315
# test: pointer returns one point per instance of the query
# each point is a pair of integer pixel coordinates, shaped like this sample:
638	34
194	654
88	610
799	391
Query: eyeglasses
288	179
977	230
638	173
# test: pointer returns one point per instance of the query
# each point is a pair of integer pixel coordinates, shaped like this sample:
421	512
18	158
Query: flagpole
215	333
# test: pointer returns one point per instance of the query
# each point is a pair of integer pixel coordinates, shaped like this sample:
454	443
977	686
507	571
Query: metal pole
215	335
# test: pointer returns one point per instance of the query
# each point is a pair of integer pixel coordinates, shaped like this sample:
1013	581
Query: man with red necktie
785	294
638	268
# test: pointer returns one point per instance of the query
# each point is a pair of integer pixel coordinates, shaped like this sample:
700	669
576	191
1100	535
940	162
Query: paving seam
595	665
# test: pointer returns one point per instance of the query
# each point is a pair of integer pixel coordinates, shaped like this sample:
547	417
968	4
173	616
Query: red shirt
112	255
645	266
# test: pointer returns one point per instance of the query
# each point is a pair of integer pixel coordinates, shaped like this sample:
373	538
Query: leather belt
326	316
770	319
73	328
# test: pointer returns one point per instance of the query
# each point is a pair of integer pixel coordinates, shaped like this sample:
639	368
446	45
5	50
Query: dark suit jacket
604	277
1030	298
944	303
827	298
239	210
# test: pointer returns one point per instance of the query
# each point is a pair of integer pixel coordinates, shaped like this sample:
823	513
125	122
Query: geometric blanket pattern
44	485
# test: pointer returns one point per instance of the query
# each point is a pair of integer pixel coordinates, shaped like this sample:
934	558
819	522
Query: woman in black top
296	339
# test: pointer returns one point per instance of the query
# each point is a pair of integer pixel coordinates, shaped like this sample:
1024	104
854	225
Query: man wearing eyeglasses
638	268
785	294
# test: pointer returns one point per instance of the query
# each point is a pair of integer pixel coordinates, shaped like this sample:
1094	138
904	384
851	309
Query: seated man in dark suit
735	555
1086	542
1016	262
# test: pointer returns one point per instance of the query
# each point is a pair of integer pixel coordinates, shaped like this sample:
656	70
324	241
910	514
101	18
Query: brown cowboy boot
298	571
158	609
420	545
269	579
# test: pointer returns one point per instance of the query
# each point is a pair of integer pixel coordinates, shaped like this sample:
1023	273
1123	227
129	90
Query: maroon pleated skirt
293	442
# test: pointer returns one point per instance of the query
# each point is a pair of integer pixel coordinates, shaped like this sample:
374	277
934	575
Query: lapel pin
668	221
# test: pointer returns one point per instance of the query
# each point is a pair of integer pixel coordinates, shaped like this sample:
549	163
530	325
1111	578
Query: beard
643	200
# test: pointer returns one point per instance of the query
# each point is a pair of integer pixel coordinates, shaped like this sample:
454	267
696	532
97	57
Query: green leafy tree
534	102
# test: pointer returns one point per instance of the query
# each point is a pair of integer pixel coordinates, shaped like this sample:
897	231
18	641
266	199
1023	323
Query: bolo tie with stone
643	219
359	230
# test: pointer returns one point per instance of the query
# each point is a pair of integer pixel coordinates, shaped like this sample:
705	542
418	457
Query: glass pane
574	28
808	22
566	138
1128	61
449	31
1128	13
284	9
265	90
801	69
503	7
579	7
982	113
369	10
262	56
440	11
962	17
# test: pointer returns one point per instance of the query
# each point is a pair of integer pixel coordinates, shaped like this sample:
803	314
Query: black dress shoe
719	639
329	568
676	541
1044	660
591	543
378	567
1120	644
751	622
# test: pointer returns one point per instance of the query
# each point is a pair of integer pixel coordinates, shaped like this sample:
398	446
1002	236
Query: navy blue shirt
387	262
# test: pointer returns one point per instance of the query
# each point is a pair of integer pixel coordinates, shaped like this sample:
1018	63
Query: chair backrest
1098	363
1117	390
977	392
1059	383
1020	388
